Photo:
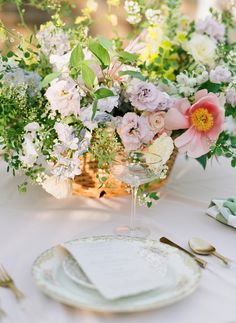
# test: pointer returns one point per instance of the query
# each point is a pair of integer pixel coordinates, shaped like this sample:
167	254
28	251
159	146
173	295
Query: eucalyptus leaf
77	55
126	57
133	74
49	78
106	43
88	75
211	87
103	93
95	103
202	160
100	52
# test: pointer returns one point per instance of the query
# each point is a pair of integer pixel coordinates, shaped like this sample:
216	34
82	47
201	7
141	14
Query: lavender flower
220	74
66	136
134	131
145	96
53	40
108	104
211	27
231	96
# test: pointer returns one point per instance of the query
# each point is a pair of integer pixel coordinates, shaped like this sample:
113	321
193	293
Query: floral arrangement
64	93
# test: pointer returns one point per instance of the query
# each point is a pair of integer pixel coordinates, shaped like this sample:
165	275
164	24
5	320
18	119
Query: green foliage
127	58
104	147
211	87
225	146
77	56
88	75
100	94
49	78
173	17
100	52
133	74
202	161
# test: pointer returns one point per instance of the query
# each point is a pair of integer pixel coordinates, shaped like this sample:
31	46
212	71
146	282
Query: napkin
119	269
223	210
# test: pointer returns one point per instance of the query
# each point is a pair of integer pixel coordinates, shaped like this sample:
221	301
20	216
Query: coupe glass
135	168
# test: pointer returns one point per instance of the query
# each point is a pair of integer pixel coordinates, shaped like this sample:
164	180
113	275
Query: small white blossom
32	127
66	136
53	40
211	27
153	16
231	96
133	10
108	104
64	97
134	19
132	7
220	74
202	78
30	154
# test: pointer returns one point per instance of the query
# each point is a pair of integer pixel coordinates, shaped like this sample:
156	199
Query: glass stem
134	191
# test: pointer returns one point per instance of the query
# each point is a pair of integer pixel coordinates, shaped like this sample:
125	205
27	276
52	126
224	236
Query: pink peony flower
134	131
204	121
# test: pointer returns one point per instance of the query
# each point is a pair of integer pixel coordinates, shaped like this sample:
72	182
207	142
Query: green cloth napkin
223	210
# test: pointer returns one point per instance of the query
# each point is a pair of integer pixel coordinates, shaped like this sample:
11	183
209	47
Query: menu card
118	268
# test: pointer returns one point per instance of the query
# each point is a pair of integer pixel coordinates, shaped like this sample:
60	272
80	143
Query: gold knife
202	263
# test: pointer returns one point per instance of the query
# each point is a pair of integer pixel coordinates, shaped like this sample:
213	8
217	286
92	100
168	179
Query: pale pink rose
204	121
156	121
146	134
64	97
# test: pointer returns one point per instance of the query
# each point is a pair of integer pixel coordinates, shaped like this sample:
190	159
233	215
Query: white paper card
117	268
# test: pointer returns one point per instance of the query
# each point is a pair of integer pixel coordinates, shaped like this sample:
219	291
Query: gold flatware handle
202	263
226	260
18	294
2	313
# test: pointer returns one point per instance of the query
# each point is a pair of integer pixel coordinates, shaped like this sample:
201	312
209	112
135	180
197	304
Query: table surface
35	221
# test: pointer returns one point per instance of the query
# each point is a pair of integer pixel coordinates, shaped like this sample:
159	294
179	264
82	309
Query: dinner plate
183	278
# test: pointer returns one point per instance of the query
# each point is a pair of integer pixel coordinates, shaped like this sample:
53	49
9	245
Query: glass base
138	232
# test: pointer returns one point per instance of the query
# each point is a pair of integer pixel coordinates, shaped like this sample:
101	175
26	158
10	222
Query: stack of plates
60	277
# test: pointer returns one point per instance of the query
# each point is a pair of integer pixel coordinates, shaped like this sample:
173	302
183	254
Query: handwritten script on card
117	268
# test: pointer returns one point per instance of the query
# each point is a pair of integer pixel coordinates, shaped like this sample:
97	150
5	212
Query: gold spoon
203	247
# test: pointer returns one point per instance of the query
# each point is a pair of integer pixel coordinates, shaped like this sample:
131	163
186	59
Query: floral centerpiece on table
65	94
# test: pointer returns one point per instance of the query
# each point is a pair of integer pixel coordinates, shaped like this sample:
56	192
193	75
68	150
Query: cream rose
56	187
202	48
156	121
163	146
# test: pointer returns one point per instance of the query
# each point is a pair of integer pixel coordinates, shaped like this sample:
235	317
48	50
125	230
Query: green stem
21	17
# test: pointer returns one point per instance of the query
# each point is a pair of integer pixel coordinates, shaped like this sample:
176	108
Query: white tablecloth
35	221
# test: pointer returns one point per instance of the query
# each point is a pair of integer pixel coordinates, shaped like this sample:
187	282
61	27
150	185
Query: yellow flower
181	37
114	3
80	19
166	44
113	19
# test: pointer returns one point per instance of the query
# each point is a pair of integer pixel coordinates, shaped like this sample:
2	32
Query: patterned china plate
183	278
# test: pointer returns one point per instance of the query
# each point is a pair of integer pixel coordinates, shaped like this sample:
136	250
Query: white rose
163	146
58	188
202	48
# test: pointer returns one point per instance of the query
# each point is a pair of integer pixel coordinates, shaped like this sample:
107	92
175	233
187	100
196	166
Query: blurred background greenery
37	12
